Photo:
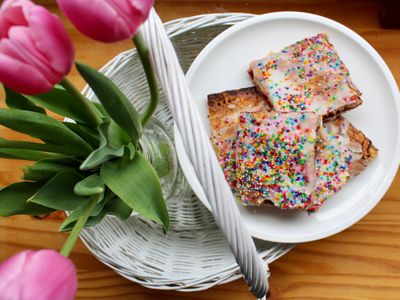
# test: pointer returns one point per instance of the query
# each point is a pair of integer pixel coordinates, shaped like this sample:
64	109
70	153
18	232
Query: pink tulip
35	50
34	275
107	20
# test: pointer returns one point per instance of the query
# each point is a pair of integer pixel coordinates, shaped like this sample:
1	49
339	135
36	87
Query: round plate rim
390	174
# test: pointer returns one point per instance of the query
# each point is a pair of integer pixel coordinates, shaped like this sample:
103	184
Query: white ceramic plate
222	65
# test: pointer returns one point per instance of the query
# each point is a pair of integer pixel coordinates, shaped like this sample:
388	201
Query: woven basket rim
174	28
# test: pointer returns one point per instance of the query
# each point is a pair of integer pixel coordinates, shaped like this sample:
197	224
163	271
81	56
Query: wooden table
362	262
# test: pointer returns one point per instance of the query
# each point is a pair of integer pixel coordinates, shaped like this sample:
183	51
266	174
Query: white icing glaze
307	76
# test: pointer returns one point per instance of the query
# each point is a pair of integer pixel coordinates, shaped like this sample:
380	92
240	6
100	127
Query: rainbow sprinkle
275	155
332	161
307	76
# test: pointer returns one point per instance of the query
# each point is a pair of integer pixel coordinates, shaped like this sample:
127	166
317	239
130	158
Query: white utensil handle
202	156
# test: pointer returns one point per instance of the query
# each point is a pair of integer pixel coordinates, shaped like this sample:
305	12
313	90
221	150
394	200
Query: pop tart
275	158
224	110
343	152
307	76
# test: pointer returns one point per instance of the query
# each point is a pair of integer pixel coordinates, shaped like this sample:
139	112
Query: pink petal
132	17
21	36
8	49
49	276
21	40
122	8
135	12
144	6
10	270
10	3
43	274
10	17
97	19
51	38
12	12
22	77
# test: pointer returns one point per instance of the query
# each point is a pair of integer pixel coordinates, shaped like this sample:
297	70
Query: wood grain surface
362	262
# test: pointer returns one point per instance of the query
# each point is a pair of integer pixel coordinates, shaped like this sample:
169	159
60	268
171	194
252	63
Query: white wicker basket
194	256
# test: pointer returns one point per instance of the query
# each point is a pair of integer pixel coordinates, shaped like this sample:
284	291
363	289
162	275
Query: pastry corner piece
233	102
275	158
224	109
344	152
307	76
365	149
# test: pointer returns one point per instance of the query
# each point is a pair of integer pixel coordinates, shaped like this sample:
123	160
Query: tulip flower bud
107	20
35	51
44	275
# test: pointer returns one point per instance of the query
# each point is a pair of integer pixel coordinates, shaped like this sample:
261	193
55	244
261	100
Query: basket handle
202	156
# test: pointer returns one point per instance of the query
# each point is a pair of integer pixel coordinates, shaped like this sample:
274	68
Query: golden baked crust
221	105
369	151
361	147
343	109
275	158
343	153
307	76
224	111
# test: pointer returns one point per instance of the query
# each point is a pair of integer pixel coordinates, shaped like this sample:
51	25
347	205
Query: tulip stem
80	223
144	56
94	117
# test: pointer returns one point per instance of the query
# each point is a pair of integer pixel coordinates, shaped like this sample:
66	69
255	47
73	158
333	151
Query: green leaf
136	183
116	136
64	149
73	217
118	208
161	159
42	127
101	109
25	154
58	100
58	192
69	222
99	156
18	101
113	206
13	200
102	199
114	101
87	133
45	169
110	147
89	186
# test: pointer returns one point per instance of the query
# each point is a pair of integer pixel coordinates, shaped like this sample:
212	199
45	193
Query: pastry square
224	110
307	76
344	152
275	155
